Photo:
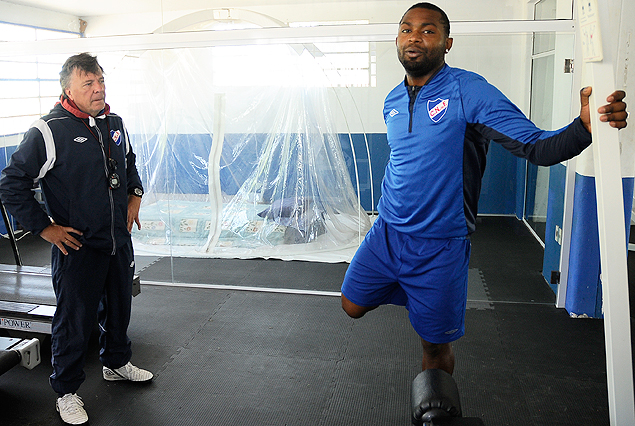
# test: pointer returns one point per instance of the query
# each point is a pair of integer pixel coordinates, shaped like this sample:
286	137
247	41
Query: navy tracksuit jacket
72	155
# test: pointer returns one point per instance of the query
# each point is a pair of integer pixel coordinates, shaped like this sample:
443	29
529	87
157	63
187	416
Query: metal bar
8	360
14	245
567	220
261	36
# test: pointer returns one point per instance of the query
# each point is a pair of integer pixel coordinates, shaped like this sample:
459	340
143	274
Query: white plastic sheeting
233	163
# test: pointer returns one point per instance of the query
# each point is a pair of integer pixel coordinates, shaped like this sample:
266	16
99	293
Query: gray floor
233	357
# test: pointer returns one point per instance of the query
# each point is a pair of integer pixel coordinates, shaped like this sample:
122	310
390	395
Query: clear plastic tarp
239	154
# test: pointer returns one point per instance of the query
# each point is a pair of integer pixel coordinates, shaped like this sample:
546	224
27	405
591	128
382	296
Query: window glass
9	32
17	70
29	85
10	89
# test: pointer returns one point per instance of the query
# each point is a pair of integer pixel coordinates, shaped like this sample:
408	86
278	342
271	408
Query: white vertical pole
569	191
598	55
567	220
213	172
613	249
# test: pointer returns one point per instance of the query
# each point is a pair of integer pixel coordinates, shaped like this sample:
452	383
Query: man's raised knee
353	310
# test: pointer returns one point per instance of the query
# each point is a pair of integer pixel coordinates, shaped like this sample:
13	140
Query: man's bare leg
439	356
353	310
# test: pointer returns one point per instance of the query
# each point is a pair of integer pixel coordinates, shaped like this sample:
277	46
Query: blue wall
500	182
584	288
180	166
555	212
184	168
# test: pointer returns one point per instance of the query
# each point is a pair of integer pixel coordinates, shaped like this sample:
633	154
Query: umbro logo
80	139
393	113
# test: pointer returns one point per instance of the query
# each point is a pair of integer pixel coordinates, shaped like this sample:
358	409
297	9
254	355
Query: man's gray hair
84	62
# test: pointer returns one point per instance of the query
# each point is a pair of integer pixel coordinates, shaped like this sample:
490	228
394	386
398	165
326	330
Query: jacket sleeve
132	174
496	118
18	180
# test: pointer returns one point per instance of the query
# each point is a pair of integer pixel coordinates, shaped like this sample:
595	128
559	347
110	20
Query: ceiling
87	8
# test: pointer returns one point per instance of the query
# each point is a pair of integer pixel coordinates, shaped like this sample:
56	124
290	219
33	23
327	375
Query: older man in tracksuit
81	156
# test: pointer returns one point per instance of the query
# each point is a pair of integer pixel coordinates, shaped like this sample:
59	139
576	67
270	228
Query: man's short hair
445	21
84	62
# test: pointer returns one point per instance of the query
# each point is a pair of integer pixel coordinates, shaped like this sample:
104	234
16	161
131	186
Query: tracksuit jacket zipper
112	203
413	91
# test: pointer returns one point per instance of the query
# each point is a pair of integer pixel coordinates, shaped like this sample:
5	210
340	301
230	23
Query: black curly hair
445	21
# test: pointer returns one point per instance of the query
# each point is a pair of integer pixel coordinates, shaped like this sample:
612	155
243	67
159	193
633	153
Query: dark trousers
89	285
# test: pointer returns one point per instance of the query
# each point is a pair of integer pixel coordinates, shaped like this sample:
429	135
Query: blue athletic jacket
63	151
438	146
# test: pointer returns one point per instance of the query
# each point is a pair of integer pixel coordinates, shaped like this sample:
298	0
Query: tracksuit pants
89	285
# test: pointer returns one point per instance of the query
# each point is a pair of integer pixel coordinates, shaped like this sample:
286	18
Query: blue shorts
427	276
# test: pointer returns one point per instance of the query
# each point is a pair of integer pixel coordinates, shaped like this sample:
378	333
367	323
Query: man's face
421	42
88	91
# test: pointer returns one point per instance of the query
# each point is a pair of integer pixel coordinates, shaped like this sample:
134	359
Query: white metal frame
613	248
600	74
338	33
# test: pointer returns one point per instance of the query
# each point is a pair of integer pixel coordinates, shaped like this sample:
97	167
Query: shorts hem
438	340
363	305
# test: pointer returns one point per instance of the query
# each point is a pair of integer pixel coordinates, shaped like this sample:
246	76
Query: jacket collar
71	107
430	80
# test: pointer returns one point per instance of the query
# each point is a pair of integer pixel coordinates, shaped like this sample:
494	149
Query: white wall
377	11
502	59
361	108
17	14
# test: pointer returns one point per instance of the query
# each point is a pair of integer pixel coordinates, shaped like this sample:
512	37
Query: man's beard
430	60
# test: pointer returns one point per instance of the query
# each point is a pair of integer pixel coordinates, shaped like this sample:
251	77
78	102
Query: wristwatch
137	192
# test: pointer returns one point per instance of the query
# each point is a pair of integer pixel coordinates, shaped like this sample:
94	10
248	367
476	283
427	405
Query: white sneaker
71	410
127	372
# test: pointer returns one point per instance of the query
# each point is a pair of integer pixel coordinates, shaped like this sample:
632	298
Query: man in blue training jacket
81	156
439	123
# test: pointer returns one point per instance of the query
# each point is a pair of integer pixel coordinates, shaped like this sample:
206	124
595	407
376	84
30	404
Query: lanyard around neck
98	140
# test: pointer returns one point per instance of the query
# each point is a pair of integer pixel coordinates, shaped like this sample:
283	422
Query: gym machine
435	401
14	351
